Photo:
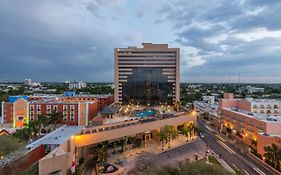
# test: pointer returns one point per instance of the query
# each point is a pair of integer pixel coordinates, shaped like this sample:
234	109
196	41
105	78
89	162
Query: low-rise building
254	129
269	107
205	107
77	85
251	89
75	109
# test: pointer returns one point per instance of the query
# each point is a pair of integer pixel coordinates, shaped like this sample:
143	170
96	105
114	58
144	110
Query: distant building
147	75
75	109
206	107
77	85
194	86
28	82
209	99
251	90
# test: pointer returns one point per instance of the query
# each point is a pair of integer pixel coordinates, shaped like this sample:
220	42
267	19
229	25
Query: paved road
184	152
233	159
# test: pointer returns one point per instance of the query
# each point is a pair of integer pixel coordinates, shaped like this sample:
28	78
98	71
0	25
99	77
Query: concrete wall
273	128
24	162
88	139
59	160
264	141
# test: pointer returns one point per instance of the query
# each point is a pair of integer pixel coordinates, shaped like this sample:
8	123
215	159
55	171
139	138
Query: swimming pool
145	113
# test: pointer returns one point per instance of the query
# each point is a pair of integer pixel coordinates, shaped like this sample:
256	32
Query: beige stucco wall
88	139
58	161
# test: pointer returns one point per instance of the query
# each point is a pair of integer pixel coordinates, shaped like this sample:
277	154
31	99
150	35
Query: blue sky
50	40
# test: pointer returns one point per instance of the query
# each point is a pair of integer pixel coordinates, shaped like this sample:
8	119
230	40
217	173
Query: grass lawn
9	144
212	160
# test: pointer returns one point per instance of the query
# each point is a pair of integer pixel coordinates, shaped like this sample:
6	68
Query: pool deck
131	113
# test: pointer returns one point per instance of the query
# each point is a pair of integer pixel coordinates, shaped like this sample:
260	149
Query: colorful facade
76	109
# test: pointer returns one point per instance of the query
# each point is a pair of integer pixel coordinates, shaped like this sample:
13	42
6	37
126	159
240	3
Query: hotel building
75	109
255	129
147	75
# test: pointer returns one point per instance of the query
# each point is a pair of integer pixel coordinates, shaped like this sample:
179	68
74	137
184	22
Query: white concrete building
209	99
28	82
269	107
77	85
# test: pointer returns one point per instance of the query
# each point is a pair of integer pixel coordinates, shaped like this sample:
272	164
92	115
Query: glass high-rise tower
147	75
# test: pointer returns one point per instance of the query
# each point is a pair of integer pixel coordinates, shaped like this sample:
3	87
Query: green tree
99	154
55	118
273	154
172	133
163	137
24	134
191	129
185	131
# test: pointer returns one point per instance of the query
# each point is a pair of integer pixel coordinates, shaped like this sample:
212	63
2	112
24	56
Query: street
232	155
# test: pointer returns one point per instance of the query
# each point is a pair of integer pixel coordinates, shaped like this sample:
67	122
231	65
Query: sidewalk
245	150
224	164
127	159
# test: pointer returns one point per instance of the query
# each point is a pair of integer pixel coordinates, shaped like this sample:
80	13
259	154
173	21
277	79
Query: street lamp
193	113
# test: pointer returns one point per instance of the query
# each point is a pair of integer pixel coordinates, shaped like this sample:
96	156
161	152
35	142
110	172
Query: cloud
230	37
74	39
57	41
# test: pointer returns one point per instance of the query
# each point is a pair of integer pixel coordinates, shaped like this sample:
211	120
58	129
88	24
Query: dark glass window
147	85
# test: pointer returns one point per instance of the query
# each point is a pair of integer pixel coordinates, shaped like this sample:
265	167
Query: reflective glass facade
147	86
147	75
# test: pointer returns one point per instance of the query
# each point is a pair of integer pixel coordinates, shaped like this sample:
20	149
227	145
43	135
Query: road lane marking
218	136
226	147
246	172
259	171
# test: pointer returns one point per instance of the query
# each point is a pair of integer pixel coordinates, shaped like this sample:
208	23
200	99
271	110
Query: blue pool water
145	113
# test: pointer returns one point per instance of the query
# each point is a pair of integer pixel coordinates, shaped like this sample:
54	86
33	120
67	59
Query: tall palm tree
191	129
99	155
55	118
185	131
273	154
163	136
172	133
33	127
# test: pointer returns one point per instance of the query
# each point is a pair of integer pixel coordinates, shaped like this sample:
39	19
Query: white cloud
255	11
190	57
216	39
257	34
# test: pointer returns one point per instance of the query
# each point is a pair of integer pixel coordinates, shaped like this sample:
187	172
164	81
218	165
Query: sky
59	40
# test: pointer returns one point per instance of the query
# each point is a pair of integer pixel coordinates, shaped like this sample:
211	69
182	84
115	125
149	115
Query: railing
128	123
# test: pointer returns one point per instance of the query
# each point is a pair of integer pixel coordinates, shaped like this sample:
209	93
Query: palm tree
273	154
185	131
99	155
172	133
23	134
163	136
191	129
177	105
55	118
33	127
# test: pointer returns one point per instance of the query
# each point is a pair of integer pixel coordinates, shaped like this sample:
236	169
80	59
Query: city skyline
75	40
